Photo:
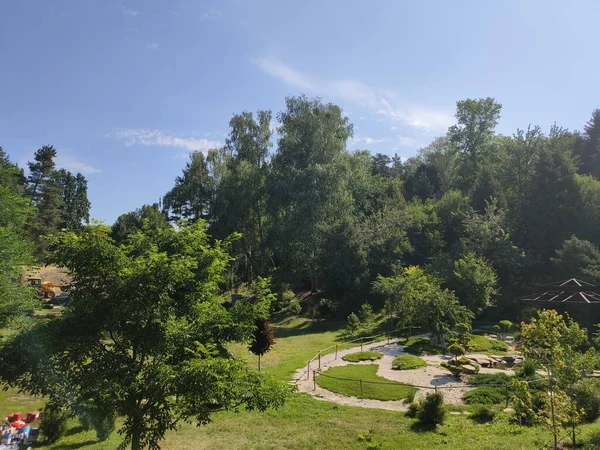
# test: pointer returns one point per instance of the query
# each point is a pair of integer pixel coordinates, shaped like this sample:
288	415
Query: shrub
587	395
47	306
431	410
463	361
362	356
327	307
295	307
517	336
413	410
456	350
407	362
454	367
483	414
420	346
54	423
485	396
483	379
366	312
526	370
506	326
353	323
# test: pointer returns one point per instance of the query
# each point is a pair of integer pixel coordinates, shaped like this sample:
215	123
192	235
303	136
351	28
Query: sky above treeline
126	89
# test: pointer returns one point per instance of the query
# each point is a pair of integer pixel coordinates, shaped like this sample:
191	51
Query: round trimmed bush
408	362
362	356
485	396
483	414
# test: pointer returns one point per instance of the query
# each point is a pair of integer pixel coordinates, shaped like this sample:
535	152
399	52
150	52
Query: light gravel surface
426	379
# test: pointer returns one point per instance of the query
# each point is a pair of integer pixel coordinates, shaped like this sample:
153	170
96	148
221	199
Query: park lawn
362	356
408	362
350	386
420	346
482	344
306	423
297	340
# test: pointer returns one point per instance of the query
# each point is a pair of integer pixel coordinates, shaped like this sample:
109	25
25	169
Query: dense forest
486	215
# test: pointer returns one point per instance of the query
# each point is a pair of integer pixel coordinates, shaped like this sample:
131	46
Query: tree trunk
259	363
135	437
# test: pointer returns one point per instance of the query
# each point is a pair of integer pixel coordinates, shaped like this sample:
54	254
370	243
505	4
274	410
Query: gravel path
427	377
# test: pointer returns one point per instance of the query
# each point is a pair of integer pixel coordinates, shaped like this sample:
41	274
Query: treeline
484	213
32	209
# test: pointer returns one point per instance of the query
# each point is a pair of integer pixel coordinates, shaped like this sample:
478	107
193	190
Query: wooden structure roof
565	291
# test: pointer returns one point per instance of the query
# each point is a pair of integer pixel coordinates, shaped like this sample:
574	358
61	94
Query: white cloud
393	128
212	14
358	93
158	138
407	141
128	11
279	70
357	140
74	165
152	46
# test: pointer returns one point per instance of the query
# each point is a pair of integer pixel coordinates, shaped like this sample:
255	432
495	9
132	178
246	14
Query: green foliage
418	298
345	380
366	312
483	379
420	346
483	414
148	311
54	423
362	356
148	217
353	323
413	410
485	395
456	350
586	393
431	410
454	367
475	282
578	258
408	362
526	370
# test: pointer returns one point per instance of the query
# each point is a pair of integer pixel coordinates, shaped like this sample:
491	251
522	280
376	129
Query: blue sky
126	89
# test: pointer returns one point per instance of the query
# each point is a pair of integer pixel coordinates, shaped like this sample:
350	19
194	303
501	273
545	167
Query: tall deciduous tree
241	193
418	299
475	282
145	334
473	136
308	185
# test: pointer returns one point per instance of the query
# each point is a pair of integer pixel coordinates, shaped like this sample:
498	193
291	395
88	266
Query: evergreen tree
588	146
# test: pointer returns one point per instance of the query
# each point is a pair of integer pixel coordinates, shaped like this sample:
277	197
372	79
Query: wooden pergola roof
566	291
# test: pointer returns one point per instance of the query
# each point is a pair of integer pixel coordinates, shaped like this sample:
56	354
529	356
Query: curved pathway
424	377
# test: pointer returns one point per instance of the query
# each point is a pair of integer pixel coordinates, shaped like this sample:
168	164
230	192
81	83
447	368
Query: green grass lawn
482	344
362	356
306	423
351	386
420	346
407	362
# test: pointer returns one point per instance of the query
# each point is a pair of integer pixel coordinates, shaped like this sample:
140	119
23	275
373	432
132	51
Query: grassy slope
482	344
388	391
362	356
306	423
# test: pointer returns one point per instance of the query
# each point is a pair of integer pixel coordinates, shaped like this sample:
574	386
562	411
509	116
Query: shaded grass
420	346
351	386
482	344
362	356
407	362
